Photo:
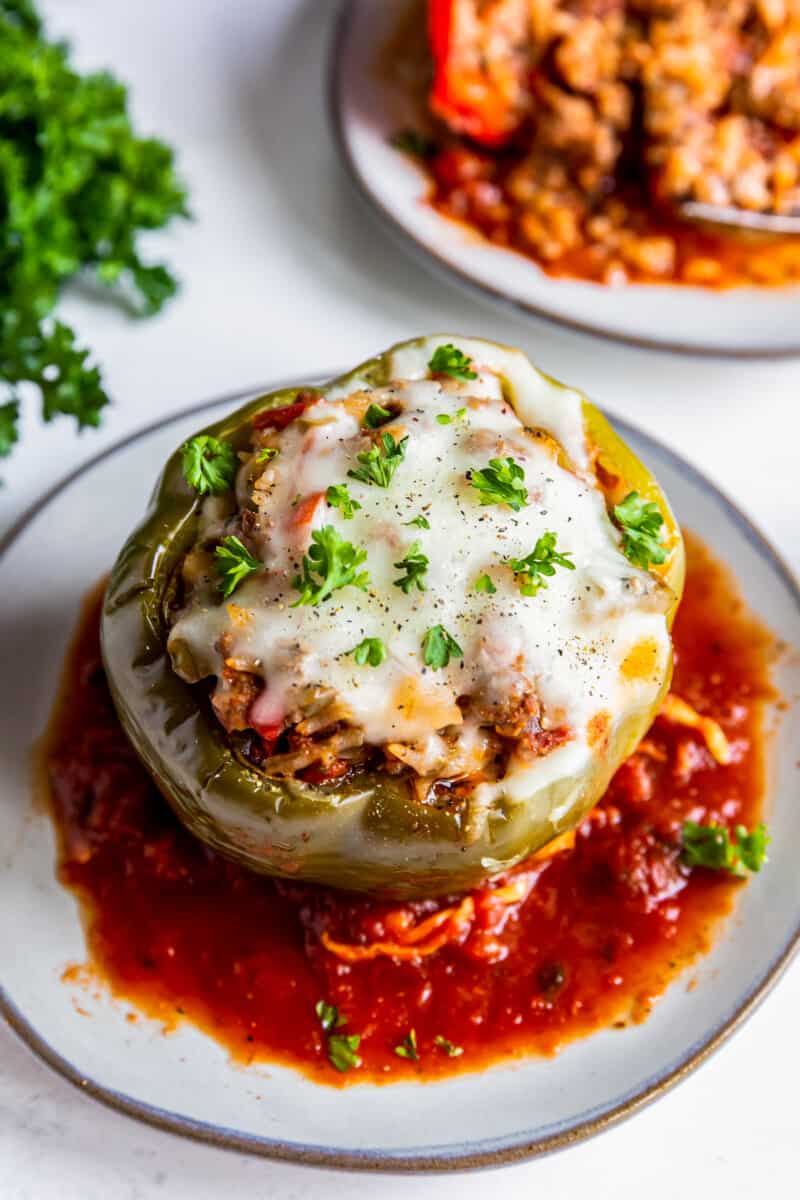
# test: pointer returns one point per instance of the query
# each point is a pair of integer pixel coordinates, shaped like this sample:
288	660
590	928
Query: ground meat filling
624	105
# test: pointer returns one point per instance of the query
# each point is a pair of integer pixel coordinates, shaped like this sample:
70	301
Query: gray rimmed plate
185	1082
367	108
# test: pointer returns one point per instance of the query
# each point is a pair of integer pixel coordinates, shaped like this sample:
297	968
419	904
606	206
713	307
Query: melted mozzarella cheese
572	643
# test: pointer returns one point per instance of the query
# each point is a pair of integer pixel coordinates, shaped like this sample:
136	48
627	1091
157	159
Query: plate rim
432	1161
443	266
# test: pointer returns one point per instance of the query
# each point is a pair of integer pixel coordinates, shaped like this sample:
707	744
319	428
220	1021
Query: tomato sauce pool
560	947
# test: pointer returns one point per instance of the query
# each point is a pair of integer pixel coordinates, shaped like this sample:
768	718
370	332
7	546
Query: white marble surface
284	275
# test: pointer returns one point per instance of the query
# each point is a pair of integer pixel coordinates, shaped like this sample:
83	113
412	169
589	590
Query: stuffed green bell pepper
395	632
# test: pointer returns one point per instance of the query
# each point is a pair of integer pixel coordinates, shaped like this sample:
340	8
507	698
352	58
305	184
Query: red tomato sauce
184	935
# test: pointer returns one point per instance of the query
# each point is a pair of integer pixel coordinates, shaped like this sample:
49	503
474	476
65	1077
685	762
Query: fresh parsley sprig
438	647
338	496
331	563
714	847
447	360
415	564
408	1047
421	522
542	561
77	187
502	482
379	463
376	415
209	465
448	1047
329	1016
448	419
484	584
234	564
640	522
370	651
341	1047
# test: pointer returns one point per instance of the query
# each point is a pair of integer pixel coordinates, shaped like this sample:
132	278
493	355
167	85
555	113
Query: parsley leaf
438	647
333	561
502	482
712	846
640	522
421	522
267	454
447	419
76	189
448	1047
412	142
446	360
234	564
209	465
542	560
408	1047
484	584
379	463
329	1016
339	497
9	434
369	652
376	416
415	564
342	1050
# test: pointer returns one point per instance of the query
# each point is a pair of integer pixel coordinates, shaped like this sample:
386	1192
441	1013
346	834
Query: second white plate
366	110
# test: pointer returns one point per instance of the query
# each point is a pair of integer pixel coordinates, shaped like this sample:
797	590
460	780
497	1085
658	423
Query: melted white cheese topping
568	642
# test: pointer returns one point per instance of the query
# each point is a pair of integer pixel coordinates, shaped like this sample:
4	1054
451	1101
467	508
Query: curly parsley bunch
76	188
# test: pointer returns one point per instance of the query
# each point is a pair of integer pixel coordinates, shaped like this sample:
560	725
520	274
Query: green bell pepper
365	833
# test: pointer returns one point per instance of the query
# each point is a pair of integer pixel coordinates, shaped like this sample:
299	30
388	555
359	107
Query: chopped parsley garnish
415	564
421	522
209	465
375	416
234	564
338	496
502	482
379	463
330	564
713	846
341	1046
542	560
370	652
267	454
408	1047
447	360
484	584
641	524
78	187
329	1016
447	419
451	1050
412	142
438	647
342	1050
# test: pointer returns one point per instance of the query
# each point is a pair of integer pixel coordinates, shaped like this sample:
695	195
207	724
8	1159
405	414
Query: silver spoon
729	218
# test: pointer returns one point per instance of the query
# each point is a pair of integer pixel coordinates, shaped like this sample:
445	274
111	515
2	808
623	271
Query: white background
285	275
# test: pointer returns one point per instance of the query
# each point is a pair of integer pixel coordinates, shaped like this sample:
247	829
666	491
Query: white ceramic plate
185	1082
366	111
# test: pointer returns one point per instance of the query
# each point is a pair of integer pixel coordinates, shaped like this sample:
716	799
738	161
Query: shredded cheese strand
678	712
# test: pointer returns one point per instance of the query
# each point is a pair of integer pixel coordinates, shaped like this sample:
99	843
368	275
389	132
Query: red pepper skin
461	96
317	774
279	418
